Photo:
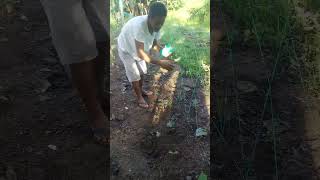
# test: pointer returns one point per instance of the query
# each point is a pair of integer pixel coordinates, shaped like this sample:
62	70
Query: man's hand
168	58
166	64
161	46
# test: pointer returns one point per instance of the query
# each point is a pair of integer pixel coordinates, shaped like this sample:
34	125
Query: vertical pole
121	11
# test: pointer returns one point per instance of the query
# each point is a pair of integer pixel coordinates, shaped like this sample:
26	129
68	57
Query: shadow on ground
255	136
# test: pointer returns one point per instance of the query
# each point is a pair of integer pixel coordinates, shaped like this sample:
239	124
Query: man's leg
98	17
76	46
141	83
84	79
142	66
133	75
144	92
138	91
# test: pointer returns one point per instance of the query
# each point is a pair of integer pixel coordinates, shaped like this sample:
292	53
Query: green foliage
277	25
312	5
201	13
269	19
174	4
191	47
171	4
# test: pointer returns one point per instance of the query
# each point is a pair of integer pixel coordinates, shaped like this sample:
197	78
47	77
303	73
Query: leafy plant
201	13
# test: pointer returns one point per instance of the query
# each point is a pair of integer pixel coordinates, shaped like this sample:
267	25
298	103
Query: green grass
313	5
190	37
275	25
267	18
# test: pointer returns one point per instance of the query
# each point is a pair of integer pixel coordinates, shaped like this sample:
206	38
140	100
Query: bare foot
142	103
100	132
147	93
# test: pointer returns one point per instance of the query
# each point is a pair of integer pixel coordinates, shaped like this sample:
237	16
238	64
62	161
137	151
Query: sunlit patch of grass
191	41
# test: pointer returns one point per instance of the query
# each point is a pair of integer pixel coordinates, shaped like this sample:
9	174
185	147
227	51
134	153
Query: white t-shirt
136	29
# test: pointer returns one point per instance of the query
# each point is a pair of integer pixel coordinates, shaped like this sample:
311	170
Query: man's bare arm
143	55
166	64
156	45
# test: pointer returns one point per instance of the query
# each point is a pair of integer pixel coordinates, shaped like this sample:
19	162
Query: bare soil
38	107
247	144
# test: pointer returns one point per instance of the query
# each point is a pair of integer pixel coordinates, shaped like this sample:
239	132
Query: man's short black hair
157	9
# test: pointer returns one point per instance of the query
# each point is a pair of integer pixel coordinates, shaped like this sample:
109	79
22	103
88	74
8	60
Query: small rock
52	147
171	124
201	132
173	152
24	18
126	108
123	90
187	89
113	117
158	134
45	84
188	178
